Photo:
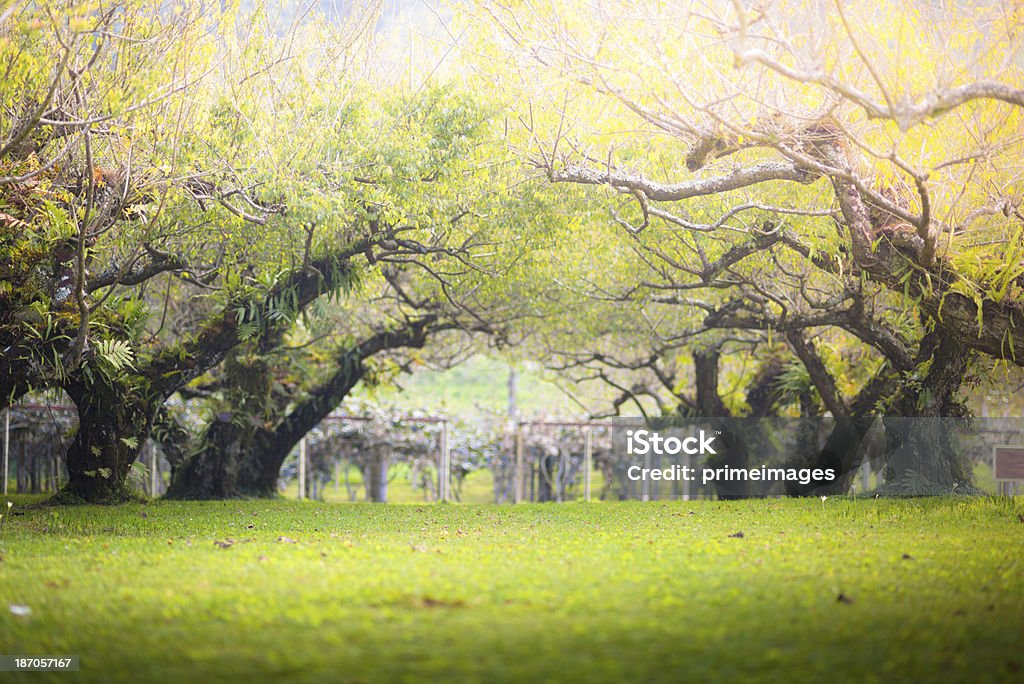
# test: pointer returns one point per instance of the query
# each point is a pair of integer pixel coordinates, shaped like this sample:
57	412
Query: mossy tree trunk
117	411
114	422
922	442
216	470
846	444
243	449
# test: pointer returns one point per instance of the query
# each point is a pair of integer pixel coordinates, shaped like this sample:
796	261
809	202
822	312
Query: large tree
798	177
270	394
176	184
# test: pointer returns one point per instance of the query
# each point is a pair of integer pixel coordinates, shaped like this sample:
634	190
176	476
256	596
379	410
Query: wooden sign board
1009	463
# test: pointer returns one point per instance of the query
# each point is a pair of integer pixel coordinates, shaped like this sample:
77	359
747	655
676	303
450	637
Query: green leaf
117	354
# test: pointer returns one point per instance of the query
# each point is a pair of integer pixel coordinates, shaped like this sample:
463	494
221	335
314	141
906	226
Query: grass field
840	590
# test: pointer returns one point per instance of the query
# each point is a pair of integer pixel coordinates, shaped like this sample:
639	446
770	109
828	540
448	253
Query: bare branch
673	192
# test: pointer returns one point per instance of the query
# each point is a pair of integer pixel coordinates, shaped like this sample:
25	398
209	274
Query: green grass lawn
297	591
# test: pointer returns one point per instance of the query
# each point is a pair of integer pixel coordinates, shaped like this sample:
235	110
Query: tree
799	177
95	162
442	178
103	220
261	405
78	153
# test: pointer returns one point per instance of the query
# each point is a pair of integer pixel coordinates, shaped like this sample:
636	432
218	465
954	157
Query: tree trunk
376	475
843	452
922	445
709	402
546	471
845	447
243	449
239	458
925	457
173	438
243	459
221	466
115	420
113	423
213	472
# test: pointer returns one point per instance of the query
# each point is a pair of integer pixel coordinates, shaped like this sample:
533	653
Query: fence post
687	463
588	461
645	484
302	469
518	491
444	476
154	471
7	443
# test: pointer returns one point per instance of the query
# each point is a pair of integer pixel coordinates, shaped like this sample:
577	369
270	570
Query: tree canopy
726	209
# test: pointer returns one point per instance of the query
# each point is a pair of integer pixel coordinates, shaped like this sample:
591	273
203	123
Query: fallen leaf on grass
428	602
286	540
738	535
226	544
